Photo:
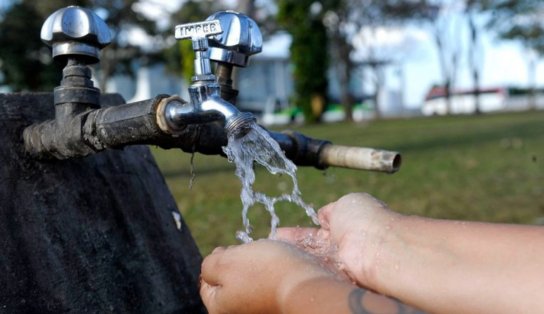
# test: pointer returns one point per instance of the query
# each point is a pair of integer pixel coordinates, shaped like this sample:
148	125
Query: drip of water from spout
192	171
257	146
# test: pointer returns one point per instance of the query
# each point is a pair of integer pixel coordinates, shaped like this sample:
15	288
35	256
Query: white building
490	100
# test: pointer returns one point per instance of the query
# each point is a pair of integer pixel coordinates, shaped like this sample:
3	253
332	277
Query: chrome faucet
206	104
76	36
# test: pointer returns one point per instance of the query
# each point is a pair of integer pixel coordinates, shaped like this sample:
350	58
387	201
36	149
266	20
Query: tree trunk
94	234
532	63
247	7
447	95
476	87
474	52
379	83
344	68
441	50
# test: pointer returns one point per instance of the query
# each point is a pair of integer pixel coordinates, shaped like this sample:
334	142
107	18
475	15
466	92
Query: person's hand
256	277
352	231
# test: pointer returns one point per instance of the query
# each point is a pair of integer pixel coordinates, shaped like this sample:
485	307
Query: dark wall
94	234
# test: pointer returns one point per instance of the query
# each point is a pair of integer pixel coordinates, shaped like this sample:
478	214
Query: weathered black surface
94	234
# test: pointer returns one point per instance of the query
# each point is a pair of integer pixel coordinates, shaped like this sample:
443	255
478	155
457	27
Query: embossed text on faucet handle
198	33
198	30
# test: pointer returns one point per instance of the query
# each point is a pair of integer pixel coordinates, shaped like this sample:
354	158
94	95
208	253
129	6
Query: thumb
208	293
324	215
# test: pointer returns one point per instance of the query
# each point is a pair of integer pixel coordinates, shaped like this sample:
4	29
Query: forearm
464	267
326	295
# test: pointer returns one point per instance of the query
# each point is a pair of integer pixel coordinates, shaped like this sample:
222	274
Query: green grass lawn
488	168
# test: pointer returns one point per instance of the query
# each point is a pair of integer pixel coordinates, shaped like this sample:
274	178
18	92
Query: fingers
218	249
311	240
211	267
215	277
359	200
295	235
208	294
362	200
324	215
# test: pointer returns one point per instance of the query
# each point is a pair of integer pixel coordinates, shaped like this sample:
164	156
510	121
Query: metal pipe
144	123
126	124
321	154
224	73
362	158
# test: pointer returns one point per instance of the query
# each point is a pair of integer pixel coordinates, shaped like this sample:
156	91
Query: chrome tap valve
206	102
76	34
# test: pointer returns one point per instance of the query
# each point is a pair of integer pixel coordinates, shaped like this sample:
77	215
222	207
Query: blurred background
456	86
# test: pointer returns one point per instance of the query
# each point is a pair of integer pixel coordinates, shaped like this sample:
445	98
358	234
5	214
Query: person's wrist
291	285
364	249
388	254
303	296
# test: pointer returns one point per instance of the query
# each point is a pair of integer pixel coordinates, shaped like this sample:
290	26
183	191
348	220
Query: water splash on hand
257	146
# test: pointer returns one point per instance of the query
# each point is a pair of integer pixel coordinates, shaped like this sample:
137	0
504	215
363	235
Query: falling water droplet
192	171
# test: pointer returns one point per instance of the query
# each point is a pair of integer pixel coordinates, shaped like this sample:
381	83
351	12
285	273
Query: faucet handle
241	38
76	31
198	33
198	30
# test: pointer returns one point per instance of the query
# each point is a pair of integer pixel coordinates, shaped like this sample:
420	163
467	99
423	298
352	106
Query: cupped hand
255	277
349	240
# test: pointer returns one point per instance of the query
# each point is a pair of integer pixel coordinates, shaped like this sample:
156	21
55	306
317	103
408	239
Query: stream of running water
256	146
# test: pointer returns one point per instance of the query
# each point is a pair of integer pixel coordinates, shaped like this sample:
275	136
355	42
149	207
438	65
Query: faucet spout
227	110
206	102
174	115
236	122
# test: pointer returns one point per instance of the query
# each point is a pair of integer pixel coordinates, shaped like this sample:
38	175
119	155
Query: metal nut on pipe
362	158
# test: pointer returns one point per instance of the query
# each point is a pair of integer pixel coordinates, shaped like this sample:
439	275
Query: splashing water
257	146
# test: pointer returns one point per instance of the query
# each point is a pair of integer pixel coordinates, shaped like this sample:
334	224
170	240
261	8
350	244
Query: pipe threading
239	124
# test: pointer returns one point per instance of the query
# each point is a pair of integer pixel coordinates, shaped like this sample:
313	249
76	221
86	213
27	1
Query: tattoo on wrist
355	301
356	306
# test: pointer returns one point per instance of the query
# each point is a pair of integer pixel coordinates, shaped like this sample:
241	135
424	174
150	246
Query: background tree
247	7
347	18
520	20
118	57
337	19
27	64
24	61
445	28
475	49
303	20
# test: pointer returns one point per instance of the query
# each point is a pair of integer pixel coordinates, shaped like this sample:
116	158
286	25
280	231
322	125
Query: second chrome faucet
206	104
